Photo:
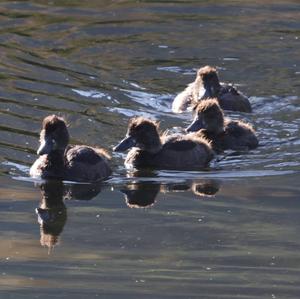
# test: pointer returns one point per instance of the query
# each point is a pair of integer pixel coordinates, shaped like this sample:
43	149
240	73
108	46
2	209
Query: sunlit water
228	232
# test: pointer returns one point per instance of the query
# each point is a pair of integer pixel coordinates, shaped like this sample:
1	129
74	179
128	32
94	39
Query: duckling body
177	152
223	133
59	161
207	85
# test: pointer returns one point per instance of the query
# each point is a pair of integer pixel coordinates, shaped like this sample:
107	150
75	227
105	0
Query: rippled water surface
230	232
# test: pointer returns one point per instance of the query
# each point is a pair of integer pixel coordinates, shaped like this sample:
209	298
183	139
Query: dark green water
231	232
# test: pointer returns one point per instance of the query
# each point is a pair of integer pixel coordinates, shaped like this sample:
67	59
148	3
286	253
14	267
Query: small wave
90	93
177	69
231	59
275	105
94	94
172	69
15	166
132	113
225	174
163	176
159	102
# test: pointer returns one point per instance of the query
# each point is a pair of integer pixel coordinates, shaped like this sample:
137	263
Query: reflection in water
142	195
82	191
52	212
207	188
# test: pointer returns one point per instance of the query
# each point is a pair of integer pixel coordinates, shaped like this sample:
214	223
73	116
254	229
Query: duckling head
208	76
141	133
54	135
208	116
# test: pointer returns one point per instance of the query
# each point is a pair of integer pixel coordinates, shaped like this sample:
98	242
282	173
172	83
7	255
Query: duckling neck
153	146
212	88
52	194
56	162
212	135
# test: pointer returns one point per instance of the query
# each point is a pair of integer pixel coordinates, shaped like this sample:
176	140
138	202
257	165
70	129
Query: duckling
150	150
207	85
223	133
59	161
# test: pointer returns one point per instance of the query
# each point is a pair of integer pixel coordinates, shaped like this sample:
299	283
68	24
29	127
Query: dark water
231	232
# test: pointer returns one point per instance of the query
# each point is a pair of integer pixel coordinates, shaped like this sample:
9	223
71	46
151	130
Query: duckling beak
43	215
45	147
204	93
195	126
125	144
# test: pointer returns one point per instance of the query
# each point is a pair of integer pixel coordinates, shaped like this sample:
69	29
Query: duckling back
186	152
84	163
239	136
230	98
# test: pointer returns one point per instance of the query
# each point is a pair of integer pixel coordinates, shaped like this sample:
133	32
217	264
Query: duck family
209	133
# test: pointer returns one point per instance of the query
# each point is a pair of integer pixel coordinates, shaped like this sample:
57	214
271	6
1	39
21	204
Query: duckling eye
54	143
201	120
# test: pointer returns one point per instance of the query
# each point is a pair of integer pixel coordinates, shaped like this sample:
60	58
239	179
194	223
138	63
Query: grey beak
43	215
125	144
45	147
195	126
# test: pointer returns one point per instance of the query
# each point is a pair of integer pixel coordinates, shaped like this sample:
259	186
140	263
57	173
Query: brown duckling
59	161
150	150
207	85
223	133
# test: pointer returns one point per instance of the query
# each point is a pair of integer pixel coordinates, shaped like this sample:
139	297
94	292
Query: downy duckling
207	85
59	161
223	133
150	150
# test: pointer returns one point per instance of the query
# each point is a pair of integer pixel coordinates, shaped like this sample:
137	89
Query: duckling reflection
201	188
208	188
82	191
140	195
52	212
143	195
